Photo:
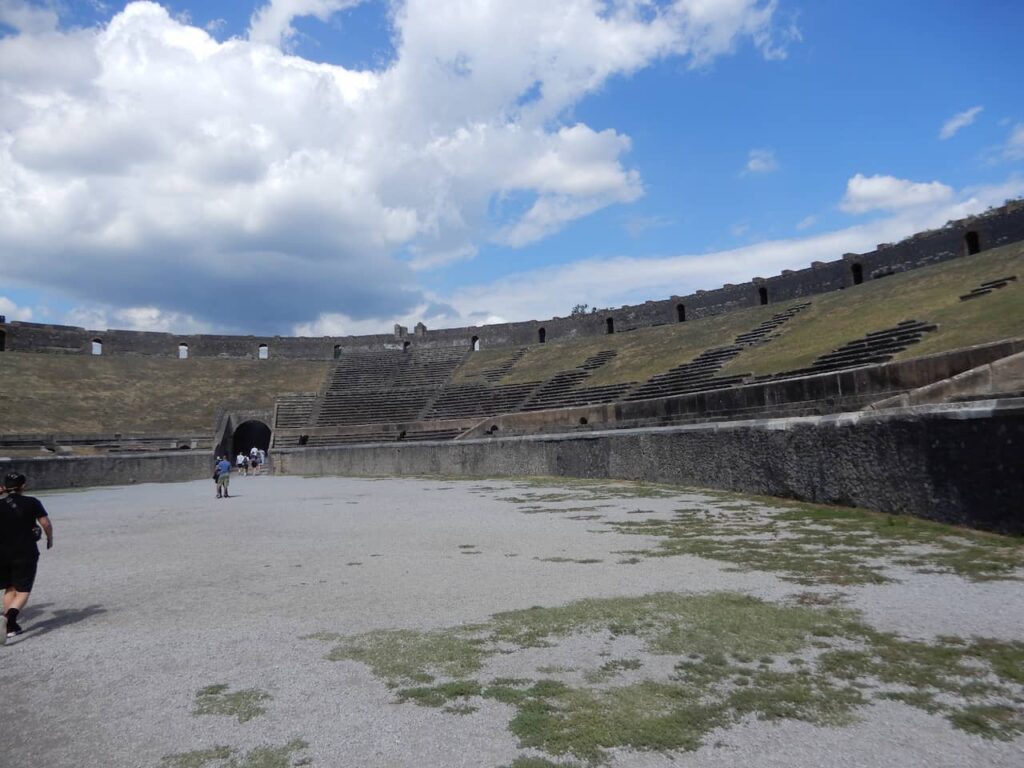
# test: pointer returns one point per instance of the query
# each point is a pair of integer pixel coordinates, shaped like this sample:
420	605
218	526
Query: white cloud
806	223
25	17
887	193
958	121
135	319
145	164
273	22
12	311
1014	149
761	161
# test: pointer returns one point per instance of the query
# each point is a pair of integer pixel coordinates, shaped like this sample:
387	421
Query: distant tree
580	309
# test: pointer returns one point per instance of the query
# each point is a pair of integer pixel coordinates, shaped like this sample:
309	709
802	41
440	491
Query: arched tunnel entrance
248	435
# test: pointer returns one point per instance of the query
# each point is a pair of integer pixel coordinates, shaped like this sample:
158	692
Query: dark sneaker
13	628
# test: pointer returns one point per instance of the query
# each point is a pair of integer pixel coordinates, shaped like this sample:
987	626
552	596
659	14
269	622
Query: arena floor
487	623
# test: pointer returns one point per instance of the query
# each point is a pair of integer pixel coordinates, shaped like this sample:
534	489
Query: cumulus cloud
958	121
761	161
145	164
25	17
12	311
887	193
273	22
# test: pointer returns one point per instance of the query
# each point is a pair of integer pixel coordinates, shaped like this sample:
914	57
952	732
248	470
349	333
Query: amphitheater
717	440
776	386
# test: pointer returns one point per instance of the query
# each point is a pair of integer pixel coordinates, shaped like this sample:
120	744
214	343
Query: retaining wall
953	463
86	471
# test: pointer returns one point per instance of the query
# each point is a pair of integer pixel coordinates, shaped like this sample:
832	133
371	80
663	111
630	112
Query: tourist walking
23	520
222	476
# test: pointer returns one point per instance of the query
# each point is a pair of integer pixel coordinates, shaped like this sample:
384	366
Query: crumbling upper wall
997	227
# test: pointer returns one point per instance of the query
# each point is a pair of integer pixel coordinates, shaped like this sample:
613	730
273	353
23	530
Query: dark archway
250	434
610	324
762	294
680	313
3	341
972	243
337	351
406	345
858	273
474	344
542	336
97	347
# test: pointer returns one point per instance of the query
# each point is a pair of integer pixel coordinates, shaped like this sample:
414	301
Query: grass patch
537	762
610	669
815	545
439	695
402	654
218	700
225	757
197	758
726	646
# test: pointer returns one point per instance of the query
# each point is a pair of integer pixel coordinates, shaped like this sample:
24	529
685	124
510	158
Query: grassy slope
930	294
483	360
80	394
641	353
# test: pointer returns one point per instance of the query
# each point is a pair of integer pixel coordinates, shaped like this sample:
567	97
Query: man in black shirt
19	516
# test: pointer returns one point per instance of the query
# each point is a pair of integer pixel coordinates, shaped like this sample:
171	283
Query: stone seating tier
368	407
688	377
873	347
761	334
294	410
562	390
467	400
497	373
394	369
988	286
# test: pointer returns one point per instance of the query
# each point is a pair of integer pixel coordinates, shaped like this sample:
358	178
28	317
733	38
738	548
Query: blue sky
332	167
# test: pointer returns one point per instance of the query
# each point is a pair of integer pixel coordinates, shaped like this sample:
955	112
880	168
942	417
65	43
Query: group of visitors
255	460
23	521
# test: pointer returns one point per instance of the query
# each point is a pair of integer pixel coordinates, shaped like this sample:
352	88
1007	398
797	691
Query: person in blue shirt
222	474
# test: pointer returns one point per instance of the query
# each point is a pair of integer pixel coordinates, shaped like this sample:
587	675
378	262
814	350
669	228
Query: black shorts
18	571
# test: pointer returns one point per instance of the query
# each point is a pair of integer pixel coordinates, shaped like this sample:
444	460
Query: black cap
14	480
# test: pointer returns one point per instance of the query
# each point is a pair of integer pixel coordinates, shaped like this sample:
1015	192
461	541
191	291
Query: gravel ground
153	592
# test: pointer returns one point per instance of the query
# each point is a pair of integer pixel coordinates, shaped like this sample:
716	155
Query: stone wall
999	227
87	471
953	463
